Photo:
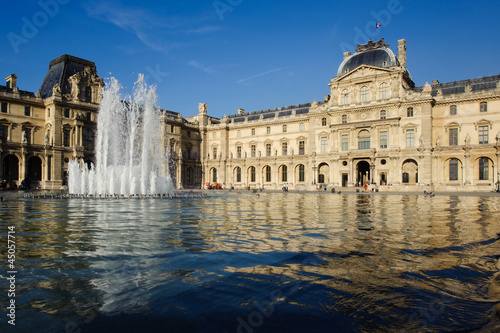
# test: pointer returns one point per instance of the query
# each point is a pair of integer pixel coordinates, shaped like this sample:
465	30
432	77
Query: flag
377	25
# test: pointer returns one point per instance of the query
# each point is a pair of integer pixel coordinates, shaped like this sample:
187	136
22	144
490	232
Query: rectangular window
268	130
4	133
383	139
344	119
27	111
284	148
66	135
324	144
284	128
268	149
172	129
4	107
238	133
483	169
483	134
302	173
188	152
188	133
483	107
215	152
453	110
453	134
409	112
66	113
345	141
453	174
301	127
410	138
253	131
302	147
89	117
253	150
238	152
268	174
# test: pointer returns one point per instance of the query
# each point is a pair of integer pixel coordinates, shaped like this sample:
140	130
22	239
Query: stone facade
375	127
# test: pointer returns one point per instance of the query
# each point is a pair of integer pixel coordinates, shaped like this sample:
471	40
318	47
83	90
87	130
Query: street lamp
498	182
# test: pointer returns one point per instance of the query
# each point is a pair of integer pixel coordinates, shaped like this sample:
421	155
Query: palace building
375	127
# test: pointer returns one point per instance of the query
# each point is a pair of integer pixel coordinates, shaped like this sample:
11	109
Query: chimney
241	111
11	81
402	52
435	82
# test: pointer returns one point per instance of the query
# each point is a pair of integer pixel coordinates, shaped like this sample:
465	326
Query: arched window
364	139
323	121
453	172
252	174
364	94
284	173
301	173
345	97
483	107
383	114
88	94
238	175
409	112
214	175
384	91
268	174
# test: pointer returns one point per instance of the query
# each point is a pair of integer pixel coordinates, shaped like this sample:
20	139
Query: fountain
129	154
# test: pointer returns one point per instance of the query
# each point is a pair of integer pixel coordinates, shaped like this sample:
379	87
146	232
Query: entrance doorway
345	179
363	173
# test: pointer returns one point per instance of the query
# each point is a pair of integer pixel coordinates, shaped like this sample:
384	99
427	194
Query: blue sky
248	54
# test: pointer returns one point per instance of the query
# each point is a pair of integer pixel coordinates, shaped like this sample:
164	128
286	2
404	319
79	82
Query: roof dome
376	54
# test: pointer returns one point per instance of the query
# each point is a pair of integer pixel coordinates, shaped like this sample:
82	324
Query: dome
375	54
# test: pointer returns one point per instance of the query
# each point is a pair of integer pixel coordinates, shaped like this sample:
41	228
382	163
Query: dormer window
88	94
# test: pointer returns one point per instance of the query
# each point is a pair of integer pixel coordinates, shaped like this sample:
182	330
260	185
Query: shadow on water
237	262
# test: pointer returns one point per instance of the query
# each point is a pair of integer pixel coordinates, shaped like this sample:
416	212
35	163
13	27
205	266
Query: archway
363	175
11	168
410	172
35	168
323	173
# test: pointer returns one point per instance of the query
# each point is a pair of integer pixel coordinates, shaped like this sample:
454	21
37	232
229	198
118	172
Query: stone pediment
361	72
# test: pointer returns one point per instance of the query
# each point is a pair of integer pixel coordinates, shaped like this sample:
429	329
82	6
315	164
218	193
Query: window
453	110
268	173
4	133
27	111
214	150
172	128
88	94
301	127
453	172
214	175
483	107
27	133
238	152
364	140
284	128
253	150
284	148
253	131
302	173
301	147
268	149
410	138
89	118
364	94
323	121
383	139
483	134
252	174
345	141
384	91
409	112
88	139
284	173
238	175
66	113
66	135
188	134
453	136
324	144
4	107
344	119
406	177
345	97
483	168
238	133
188	152
383	114
268	130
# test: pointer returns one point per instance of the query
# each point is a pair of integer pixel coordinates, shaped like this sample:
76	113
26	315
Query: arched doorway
323	174
410	172
10	168
35	168
363	175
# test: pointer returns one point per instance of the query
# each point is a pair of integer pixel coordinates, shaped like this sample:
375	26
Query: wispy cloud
204	30
259	75
198	65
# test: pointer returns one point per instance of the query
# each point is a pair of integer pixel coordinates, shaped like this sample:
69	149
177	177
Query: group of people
11	185
319	187
285	188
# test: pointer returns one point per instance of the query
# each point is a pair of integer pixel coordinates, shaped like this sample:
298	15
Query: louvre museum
375	127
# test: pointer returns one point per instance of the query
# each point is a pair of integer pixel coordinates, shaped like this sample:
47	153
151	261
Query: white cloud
259	75
198	65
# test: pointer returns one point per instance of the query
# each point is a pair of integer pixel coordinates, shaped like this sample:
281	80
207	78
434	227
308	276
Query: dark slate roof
456	87
60	69
271	113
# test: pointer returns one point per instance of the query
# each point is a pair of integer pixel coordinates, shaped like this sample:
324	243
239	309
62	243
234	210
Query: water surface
242	262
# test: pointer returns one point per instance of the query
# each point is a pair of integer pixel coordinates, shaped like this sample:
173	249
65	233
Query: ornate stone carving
202	108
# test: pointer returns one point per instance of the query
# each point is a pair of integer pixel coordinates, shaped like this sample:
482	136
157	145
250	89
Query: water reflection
363	262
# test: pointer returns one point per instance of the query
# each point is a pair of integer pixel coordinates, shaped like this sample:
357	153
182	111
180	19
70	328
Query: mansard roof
60	69
457	87
271	113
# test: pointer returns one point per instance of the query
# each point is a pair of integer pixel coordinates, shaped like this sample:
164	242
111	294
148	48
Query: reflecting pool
247	262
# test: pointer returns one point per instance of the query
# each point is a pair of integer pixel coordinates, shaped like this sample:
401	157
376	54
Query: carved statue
75	90
421	140
467	140
202	108
438	141
25	140
56	90
314	104
498	138
46	138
